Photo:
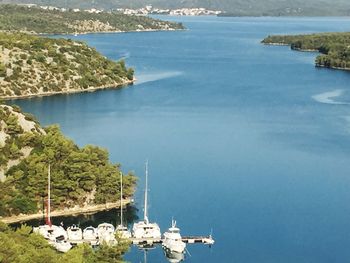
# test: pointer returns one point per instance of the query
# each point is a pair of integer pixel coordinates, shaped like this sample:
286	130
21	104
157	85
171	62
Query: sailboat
145	229
122	230
56	235
172	239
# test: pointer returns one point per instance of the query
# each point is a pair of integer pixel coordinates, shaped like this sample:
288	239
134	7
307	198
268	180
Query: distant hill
37	20
233	7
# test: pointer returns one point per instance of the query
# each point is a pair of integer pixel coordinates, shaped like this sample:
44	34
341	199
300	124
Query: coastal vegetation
79	176
35	20
32	65
334	47
22	246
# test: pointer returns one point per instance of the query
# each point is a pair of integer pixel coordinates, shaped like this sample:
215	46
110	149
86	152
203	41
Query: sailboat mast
121	198
145	215
49	196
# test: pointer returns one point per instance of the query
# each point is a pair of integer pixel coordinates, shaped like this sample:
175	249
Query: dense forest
37	20
79	176
22	246
335	47
231	7
32	65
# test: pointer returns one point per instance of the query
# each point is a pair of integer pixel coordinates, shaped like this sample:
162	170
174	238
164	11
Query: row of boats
144	230
106	233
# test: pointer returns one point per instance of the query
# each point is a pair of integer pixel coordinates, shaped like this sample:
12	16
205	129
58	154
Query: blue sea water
249	141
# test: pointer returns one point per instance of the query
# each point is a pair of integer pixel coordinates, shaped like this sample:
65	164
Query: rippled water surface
245	139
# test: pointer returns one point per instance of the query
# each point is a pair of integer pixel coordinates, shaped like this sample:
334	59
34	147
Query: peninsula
82	179
38	66
334	47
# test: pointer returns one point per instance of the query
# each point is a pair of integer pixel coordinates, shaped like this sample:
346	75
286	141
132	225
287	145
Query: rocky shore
66	212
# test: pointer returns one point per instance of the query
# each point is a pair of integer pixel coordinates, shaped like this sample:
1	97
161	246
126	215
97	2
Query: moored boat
56	235
90	233
121	230
74	233
145	229
105	233
172	239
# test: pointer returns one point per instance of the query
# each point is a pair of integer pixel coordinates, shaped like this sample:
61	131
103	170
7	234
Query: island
334	47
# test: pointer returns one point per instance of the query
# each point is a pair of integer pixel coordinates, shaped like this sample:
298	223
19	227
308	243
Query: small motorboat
61	244
121	230
74	233
105	233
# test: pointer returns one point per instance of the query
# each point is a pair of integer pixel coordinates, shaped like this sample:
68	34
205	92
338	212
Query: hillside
31	66
335	47
232	7
37	20
79	176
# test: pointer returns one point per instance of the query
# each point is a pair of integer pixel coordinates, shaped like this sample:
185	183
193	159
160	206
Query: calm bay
248	141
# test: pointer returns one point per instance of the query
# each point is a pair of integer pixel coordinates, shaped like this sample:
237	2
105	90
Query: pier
206	240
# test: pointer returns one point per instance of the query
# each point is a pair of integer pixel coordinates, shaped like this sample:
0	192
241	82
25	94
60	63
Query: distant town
150	10
144	11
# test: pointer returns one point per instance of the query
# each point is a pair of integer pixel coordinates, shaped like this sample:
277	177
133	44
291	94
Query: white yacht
121	230
172	239
145	229
105	233
56	235
74	233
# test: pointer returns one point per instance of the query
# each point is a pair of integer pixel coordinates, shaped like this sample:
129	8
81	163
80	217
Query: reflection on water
111	216
174	257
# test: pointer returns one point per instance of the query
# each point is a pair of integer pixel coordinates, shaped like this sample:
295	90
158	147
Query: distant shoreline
317	65
66	212
92	32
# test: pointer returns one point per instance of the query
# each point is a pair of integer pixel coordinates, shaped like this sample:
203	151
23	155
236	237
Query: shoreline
275	44
307	50
94	32
296	49
66	212
334	68
51	93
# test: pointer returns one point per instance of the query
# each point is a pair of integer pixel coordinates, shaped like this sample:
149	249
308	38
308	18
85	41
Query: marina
144	234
